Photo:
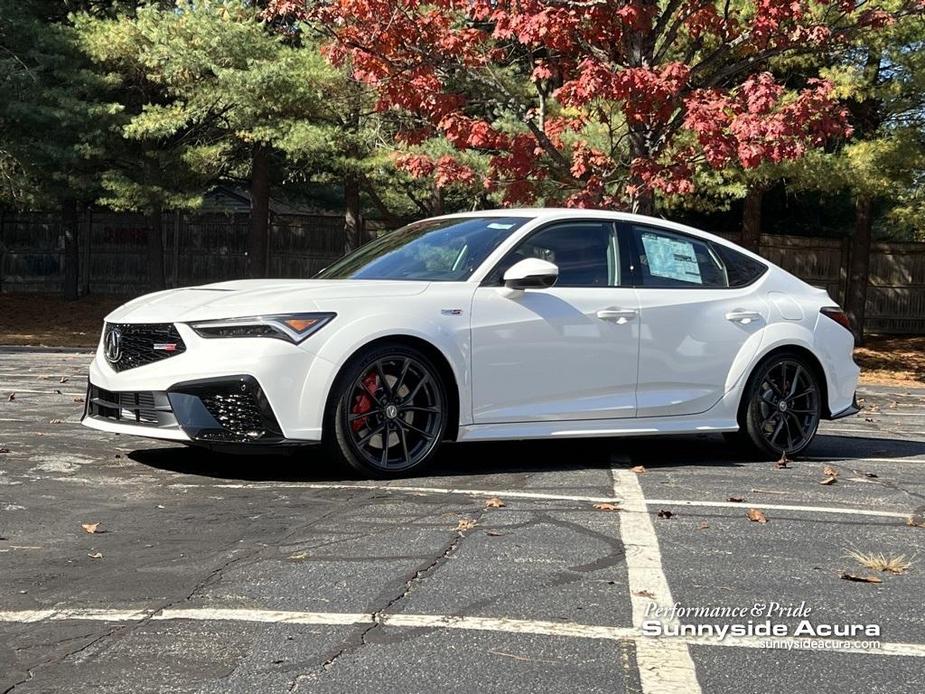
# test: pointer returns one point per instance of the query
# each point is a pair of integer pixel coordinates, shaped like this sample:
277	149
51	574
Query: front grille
129	345
145	407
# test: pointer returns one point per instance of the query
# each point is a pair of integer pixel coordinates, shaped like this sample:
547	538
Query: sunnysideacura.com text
762	625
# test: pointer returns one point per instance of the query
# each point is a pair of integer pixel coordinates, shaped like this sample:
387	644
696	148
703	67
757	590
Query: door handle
617	315
743	317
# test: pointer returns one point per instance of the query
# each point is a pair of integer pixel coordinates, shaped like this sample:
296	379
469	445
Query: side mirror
531	273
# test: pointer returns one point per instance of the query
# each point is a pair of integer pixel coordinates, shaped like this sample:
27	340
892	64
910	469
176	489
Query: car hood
254	297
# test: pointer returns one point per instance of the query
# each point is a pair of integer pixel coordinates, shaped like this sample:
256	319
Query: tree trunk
643	200
156	278
751	218
436	201
353	225
258	235
859	269
71	228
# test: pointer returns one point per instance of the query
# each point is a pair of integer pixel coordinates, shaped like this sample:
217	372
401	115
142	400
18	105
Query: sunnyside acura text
509	324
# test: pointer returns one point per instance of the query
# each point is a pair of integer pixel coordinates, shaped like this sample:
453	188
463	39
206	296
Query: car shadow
458	460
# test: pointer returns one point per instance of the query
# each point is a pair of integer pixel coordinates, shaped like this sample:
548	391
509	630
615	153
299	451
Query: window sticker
671	258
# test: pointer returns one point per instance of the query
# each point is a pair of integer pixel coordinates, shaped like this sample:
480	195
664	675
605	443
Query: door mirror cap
531	273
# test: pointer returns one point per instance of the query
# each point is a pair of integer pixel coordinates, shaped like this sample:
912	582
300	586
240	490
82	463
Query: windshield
442	250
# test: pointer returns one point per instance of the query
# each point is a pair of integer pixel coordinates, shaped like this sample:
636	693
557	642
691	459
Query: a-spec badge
451	311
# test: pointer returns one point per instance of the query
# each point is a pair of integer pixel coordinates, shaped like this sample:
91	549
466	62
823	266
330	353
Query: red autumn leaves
635	96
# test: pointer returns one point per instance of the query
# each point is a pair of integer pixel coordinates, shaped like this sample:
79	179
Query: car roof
544	214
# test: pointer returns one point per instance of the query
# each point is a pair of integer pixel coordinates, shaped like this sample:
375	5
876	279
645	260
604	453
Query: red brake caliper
363	403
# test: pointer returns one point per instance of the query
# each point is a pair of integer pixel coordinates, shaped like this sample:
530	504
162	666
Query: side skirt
587	428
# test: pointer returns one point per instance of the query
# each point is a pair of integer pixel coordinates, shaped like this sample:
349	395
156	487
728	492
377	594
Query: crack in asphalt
361	638
123	630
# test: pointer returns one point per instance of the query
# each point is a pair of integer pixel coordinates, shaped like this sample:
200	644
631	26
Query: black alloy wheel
784	406
391	412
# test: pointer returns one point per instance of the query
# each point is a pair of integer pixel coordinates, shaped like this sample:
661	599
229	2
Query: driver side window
586	254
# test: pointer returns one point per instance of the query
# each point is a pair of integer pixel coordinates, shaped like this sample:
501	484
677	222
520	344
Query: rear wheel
389	412
784	405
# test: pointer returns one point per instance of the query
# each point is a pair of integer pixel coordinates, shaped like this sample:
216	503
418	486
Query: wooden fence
199	249
205	248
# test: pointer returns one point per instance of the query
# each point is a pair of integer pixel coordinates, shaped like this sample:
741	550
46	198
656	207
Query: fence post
70	225
176	247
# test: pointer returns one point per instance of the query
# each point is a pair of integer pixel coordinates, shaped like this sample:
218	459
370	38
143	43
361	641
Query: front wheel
389	412
783	407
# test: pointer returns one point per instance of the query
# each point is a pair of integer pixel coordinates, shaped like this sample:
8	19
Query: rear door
695	325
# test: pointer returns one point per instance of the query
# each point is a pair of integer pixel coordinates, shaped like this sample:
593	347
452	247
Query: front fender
450	337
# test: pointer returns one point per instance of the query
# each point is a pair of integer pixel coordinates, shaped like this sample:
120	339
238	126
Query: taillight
837	315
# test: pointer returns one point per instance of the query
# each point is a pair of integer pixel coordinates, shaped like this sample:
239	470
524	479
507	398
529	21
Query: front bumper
224	410
290	377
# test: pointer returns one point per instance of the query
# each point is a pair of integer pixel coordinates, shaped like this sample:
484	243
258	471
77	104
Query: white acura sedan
507	324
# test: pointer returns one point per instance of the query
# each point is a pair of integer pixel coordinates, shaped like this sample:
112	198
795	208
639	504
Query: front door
564	353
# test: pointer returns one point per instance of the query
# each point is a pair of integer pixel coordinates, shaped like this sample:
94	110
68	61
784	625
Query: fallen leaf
736	499
861	579
493	533
64	379
54	421
4	450
12	397
465	524
704	525
916	520
644	593
606	507
494	502
298	556
871	475
829	471
57	392
78	399
828	480
756	516
782	464
639	469
96	555
664	513
868	419
90	527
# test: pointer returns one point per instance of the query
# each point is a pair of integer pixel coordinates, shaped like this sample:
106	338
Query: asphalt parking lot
217	573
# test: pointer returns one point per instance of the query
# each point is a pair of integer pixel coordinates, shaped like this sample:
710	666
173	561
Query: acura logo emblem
112	345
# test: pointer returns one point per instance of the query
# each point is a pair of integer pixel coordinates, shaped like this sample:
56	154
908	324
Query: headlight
292	327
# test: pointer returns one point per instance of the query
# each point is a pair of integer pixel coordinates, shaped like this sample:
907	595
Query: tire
783	406
387	412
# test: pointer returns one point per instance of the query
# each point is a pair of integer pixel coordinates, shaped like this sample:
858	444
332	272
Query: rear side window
740	269
667	260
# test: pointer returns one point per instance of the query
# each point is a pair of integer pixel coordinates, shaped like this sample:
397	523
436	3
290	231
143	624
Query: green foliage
54	111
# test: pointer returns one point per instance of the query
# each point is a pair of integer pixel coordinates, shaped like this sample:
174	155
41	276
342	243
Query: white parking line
777	507
430	621
19	391
665	666
512	494
832	459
